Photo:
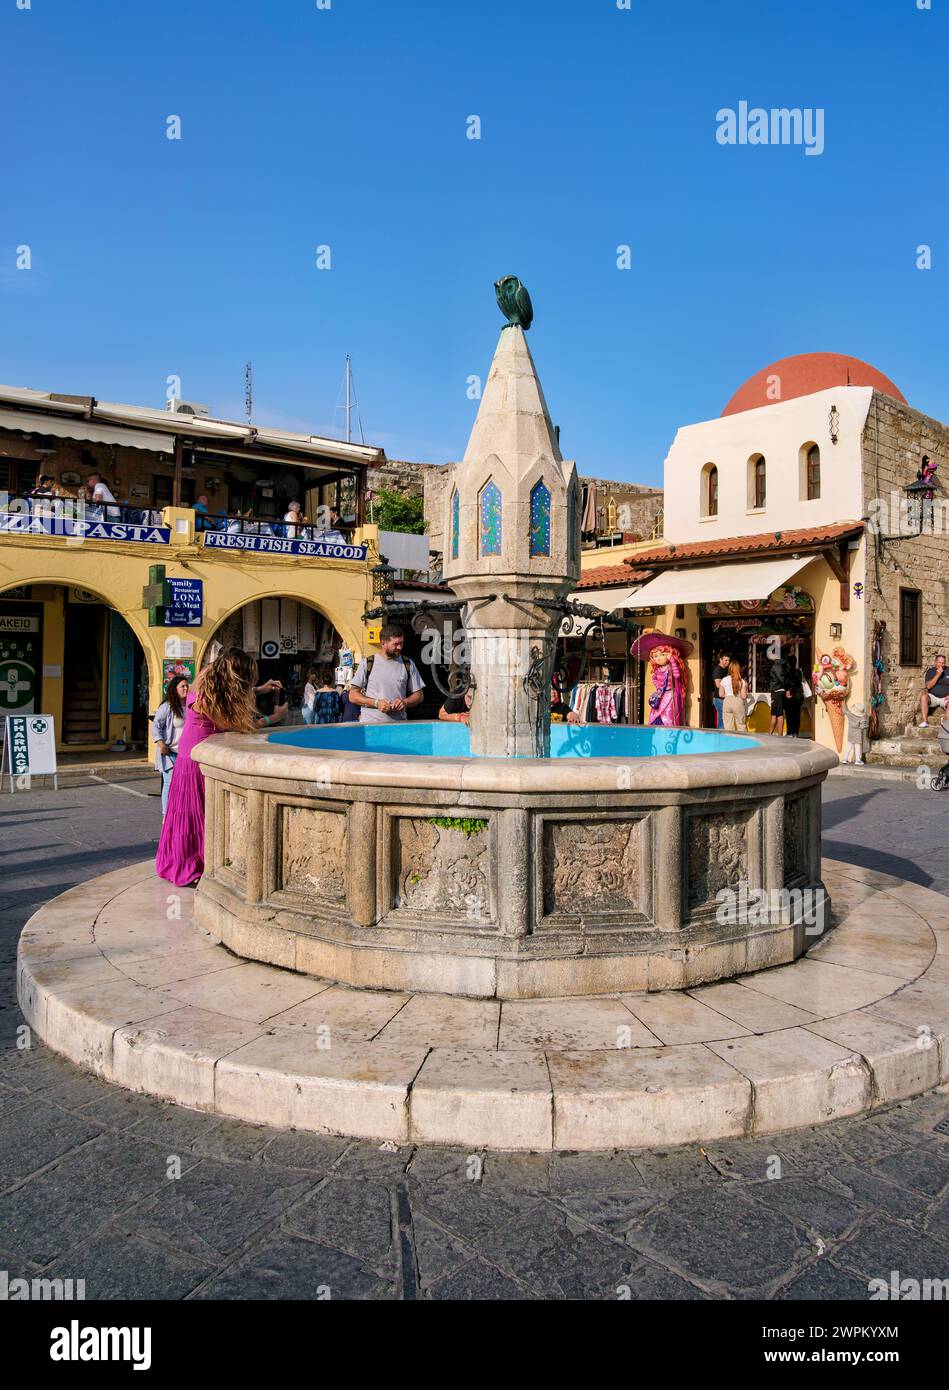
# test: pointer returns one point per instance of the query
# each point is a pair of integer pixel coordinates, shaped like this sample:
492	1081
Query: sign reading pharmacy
276	545
51	525
29	746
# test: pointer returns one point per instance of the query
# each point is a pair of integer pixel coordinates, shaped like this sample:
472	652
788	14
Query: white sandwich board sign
29	749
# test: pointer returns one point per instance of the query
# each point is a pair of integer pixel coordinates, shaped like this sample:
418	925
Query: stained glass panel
455	523
490	518
540	519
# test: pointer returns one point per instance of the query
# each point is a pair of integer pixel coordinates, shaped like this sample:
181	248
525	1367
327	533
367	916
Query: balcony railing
76	519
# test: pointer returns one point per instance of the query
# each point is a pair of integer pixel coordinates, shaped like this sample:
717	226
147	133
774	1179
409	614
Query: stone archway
286	635
70	652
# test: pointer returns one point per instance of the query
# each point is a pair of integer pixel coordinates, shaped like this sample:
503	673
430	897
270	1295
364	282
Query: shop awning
618	597
751	579
85	430
606	599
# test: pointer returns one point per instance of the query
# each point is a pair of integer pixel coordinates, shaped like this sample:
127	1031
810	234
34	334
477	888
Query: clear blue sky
347	126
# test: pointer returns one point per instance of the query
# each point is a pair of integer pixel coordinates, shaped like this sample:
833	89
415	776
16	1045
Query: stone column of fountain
513	531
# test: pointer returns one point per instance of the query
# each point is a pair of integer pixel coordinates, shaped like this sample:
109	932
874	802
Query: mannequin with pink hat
670	674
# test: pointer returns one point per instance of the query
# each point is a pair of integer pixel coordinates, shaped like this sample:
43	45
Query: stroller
941	780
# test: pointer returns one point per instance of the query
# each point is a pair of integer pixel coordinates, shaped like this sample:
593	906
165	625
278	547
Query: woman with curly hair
222	701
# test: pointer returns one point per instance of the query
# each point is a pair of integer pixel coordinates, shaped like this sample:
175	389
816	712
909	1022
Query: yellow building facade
73	589
205	499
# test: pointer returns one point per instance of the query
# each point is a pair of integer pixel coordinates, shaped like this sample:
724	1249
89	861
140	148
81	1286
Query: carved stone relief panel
441	871
592	868
312	853
717	855
795	836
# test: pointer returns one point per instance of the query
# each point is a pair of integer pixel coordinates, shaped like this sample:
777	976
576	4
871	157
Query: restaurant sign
277	545
24	525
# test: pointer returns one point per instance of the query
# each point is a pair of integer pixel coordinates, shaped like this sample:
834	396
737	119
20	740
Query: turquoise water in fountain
425	739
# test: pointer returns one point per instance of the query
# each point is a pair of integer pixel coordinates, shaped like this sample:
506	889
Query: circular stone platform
115	976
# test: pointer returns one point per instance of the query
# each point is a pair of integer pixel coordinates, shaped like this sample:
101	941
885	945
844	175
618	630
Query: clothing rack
599	702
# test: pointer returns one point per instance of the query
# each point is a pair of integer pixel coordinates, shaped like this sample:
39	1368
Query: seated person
935	689
457	708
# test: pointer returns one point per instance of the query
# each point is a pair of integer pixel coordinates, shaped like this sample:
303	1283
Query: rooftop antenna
248	391
351	404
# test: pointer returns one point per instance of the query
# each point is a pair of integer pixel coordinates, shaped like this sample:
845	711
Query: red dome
805	374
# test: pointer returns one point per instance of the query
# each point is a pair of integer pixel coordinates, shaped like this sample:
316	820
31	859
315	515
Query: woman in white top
293	519
735	693
167	724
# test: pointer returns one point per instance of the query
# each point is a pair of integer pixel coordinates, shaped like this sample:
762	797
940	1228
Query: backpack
405	662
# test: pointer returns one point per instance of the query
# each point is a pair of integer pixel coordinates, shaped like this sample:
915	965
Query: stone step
906	747
898	760
915	731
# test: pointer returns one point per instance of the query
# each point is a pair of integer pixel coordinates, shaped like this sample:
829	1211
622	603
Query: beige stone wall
436	484
894	441
637	507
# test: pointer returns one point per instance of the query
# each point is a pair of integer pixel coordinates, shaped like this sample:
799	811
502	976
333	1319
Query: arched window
489	518
708	502
455	522
812	470
757	482
540	519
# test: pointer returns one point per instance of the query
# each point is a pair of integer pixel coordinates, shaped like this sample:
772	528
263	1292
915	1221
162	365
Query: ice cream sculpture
832	685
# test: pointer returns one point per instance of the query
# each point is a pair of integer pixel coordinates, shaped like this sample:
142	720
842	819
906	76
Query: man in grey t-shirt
393	685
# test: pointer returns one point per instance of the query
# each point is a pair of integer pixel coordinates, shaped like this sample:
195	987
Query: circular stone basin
382	856
450	740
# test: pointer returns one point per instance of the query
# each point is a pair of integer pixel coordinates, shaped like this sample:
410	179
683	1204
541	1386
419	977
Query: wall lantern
919	493
382	577
836	631
833	421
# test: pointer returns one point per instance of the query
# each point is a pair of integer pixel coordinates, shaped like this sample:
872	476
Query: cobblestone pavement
87	1186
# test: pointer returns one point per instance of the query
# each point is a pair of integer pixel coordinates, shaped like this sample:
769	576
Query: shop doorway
105	675
757	634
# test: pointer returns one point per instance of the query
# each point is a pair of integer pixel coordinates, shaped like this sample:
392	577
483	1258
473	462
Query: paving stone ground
145	1200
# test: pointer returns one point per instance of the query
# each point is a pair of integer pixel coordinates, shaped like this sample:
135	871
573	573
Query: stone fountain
420	858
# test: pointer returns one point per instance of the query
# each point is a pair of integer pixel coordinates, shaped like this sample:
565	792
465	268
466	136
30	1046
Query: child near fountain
858	721
327	701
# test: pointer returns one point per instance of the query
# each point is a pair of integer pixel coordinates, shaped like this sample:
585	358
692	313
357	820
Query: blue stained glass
540	519
490	518
455	523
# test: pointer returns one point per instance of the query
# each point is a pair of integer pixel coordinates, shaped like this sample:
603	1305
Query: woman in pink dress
222	701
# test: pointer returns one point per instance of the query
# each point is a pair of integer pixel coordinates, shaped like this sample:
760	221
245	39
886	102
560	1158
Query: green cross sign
156	595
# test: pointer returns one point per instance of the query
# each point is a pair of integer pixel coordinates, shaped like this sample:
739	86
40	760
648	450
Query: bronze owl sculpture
514	302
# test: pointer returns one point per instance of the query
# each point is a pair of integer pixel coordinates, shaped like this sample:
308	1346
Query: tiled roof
767	542
607	574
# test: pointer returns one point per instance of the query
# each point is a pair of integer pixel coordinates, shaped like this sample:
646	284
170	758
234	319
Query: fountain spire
512	537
